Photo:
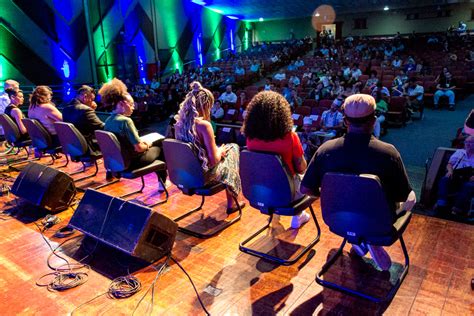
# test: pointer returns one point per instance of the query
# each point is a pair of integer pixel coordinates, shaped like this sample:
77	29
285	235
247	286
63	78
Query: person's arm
132	135
93	120
299	163
18	116
54	113
204	129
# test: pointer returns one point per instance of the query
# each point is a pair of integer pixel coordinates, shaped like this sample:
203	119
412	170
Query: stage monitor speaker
45	187
129	227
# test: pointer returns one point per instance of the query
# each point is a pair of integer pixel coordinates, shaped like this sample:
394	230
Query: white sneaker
299	220
380	257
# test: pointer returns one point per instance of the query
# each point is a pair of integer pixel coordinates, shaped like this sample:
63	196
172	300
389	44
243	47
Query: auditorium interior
134	180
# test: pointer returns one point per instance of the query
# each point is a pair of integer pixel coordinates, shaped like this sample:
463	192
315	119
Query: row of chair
271	193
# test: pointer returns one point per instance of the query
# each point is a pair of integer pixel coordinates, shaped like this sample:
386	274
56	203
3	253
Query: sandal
235	208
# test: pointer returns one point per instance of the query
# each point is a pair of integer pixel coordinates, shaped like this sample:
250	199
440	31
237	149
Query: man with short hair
414	95
81	113
359	152
5	101
228	96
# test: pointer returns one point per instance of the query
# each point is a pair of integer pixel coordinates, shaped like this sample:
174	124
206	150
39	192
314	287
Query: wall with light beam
60	42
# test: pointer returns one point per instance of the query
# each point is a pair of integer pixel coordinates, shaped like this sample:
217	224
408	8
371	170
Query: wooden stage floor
438	282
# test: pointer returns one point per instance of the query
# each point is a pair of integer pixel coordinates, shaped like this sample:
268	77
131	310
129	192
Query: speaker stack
134	229
45	187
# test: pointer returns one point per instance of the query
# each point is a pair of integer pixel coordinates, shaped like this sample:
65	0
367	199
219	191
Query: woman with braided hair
221	164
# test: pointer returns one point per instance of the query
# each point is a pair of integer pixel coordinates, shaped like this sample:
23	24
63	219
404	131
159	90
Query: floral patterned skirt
227	170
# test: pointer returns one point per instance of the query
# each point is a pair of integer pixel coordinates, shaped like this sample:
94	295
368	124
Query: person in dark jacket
81	113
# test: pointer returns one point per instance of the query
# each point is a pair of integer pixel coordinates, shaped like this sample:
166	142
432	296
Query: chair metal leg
135	192
280	261
346	290
22	160
213	233
166	194
84	169
67	162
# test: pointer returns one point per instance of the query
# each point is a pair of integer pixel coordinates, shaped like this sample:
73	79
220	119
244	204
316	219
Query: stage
230	282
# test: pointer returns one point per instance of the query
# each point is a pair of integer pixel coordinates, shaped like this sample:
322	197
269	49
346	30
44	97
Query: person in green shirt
115	95
380	110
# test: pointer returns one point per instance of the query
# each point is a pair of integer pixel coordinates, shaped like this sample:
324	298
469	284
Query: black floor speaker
135	229
45	187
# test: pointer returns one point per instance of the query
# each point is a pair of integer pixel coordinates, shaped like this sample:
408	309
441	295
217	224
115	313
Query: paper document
151	138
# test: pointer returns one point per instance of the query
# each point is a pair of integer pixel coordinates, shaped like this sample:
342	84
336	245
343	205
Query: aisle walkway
418	140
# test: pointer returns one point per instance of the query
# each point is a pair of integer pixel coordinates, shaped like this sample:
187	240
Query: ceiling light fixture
317	14
217	10
198	2
386	8
232	17
261	19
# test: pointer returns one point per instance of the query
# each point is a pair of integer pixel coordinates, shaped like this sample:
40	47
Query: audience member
268	128
228	96
217	112
445	87
359	152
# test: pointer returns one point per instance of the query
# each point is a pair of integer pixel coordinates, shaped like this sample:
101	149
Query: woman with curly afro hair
268	127
114	94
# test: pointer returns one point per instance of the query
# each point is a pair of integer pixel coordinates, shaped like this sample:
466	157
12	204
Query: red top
288	148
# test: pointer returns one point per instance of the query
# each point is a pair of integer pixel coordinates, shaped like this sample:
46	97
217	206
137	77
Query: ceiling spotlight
232	17
261	19
217	10
386	8
317	14
198	2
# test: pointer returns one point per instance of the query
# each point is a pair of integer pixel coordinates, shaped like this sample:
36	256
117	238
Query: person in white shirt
332	120
414	95
295	80
280	75
453	181
299	62
217	112
397	62
4	102
228	96
355	72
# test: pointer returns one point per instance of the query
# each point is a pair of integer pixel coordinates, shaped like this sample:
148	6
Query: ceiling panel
280	9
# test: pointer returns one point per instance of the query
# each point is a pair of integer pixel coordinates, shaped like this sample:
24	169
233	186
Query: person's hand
410	202
93	105
224	149
449	174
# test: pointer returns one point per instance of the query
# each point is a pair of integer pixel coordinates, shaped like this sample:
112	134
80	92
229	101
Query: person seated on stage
220	164
268	127
4	102
459	179
14	112
142	153
358	152
81	113
332	120
45	111
228	96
